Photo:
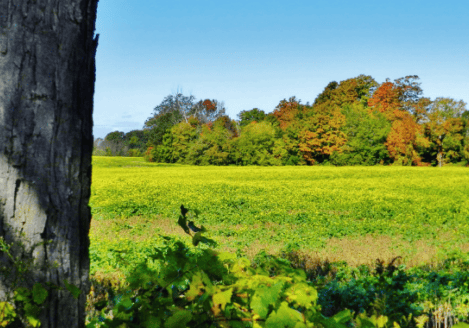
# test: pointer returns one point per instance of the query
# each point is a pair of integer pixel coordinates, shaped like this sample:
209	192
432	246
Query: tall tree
47	74
208	110
400	103
445	128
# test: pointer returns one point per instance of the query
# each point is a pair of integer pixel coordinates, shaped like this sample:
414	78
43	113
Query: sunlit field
352	214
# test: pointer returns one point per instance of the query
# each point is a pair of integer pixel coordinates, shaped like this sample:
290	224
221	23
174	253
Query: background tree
445	129
255	145
136	141
255	114
212	146
208	110
159	125
47	69
179	103
321	136
366	134
115	142
183	135
400	103
97	149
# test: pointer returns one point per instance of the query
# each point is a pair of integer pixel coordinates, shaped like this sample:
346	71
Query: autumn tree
321	135
401	105
47	74
445	128
286	120
336	95
208	110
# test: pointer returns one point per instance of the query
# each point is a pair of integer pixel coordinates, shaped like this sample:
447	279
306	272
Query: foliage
183	135
255	145
216	290
445	129
248	116
212	147
321	136
159	125
366	133
29	298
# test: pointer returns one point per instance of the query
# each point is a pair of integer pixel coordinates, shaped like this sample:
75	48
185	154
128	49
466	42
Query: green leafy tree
248	116
366	133
212	147
136	141
255	145
159	125
183	135
446	128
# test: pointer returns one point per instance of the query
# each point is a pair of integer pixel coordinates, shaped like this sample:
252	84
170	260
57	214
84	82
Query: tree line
355	122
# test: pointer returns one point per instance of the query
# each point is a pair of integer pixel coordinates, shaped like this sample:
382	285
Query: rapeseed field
352	214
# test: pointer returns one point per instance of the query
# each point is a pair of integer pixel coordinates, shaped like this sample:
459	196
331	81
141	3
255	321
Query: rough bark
47	75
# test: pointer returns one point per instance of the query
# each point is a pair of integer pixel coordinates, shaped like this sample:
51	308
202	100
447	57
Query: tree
400	104
47	69
255	145
366	133
357	89
115	142
183	135
445	128
212	146
159	125
248	116
321	136
208	110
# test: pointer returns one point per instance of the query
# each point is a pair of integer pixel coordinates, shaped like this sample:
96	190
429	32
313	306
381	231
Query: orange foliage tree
322	136
405	135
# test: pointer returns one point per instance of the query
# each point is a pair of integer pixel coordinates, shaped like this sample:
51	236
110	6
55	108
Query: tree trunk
47	75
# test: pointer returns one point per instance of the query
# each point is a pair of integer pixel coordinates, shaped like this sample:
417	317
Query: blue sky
255	53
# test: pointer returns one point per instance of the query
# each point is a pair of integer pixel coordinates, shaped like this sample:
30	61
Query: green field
352	214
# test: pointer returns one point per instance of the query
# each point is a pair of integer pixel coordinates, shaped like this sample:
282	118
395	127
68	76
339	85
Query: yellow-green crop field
352	214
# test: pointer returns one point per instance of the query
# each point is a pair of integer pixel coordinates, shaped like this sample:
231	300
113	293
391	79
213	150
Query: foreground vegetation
333	223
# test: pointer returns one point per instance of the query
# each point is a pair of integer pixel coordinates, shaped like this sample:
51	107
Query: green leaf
180	318
73	289
264	297
284	317
302	295
33	321
196	287
39	293
222	298
22	294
